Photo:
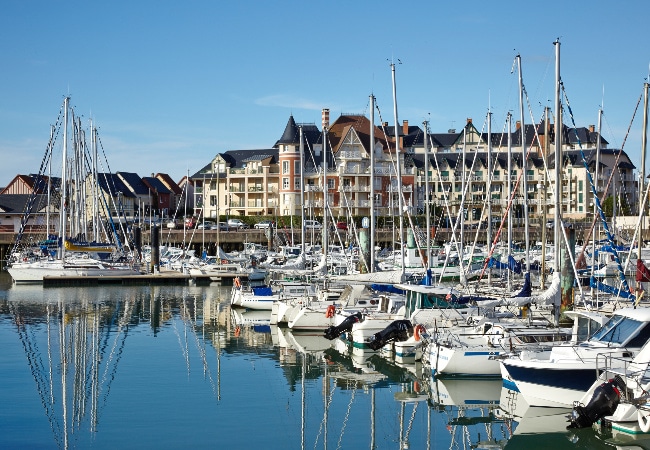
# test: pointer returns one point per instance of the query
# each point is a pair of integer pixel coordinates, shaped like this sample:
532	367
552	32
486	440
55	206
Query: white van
312	224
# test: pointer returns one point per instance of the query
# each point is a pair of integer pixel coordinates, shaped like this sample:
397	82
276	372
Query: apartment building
466	168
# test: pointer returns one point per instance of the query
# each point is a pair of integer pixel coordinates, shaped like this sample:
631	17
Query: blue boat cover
262	291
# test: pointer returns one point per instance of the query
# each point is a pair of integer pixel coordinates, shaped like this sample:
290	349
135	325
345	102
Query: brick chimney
592	128
405	127
518	124
325	117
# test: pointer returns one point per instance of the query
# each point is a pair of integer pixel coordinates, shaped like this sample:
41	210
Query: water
174	367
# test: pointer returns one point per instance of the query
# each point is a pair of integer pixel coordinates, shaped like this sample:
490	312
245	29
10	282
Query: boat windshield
617	330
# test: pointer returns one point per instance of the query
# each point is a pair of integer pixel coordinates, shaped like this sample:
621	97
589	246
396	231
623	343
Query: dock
152	279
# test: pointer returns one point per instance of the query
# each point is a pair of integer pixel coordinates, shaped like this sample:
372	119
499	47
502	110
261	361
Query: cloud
287	101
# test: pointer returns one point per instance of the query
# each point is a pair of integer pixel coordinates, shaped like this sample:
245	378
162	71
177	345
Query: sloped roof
32	181
156	185
17	203
134	181
291	133
112	184
575	158
361	125
171	184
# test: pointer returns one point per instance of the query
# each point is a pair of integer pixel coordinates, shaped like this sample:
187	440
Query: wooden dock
153	279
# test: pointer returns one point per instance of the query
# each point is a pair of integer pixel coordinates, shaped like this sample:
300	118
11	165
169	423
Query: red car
342	226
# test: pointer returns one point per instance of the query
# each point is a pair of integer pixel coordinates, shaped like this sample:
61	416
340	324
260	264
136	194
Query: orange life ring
418	331
331	309
237	282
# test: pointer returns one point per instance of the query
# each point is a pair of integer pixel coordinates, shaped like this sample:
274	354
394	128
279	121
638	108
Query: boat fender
418	331
331	309
237	282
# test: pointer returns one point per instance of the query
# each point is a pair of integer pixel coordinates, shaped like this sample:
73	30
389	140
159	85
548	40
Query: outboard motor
603	403
399	330
333	332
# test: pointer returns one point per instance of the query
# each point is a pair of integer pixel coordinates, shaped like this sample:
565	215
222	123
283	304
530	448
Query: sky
171	84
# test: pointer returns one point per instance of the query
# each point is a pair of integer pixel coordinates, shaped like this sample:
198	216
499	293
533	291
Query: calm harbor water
173	367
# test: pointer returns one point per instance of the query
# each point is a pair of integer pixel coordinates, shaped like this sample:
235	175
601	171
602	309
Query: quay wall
229	241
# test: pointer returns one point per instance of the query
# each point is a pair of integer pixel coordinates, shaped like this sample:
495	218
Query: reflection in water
92	352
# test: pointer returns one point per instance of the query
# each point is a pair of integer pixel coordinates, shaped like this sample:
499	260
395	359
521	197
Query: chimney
469	120
518	124
592	128
405	127
325	118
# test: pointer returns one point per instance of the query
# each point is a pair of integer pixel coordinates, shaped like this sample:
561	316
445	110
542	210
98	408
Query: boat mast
399	177
372	183
558	160
488	188
644	142
425	124
64	181
596	175
49	183
302	195
325	231
509	187
524	163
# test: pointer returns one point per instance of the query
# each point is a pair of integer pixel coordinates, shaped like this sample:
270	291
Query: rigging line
608	233
616	160
564	234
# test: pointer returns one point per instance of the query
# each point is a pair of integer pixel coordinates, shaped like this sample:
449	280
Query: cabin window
641	338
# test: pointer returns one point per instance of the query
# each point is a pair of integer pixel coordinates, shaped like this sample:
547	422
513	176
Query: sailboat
70	253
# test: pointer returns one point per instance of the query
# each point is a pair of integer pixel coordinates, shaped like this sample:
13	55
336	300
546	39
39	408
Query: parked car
342	226
205	225
190	222
237	224
223	226
263	224
173	224
312	224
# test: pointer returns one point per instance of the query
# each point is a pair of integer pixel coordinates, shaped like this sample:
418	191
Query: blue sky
171	84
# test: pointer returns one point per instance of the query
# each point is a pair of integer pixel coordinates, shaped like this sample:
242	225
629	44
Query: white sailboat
69	253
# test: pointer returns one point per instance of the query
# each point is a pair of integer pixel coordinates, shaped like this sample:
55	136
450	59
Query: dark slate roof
414	136
575	158
444	140
112	184
156	185
237	159
291	133
17	203
134	180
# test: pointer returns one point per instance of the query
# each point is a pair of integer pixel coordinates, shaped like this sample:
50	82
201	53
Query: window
285	167
330	183
296	184
296	167
285	184
213	200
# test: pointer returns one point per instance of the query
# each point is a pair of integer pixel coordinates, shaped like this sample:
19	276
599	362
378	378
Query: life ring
331	309
644	419
237	282
418	331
